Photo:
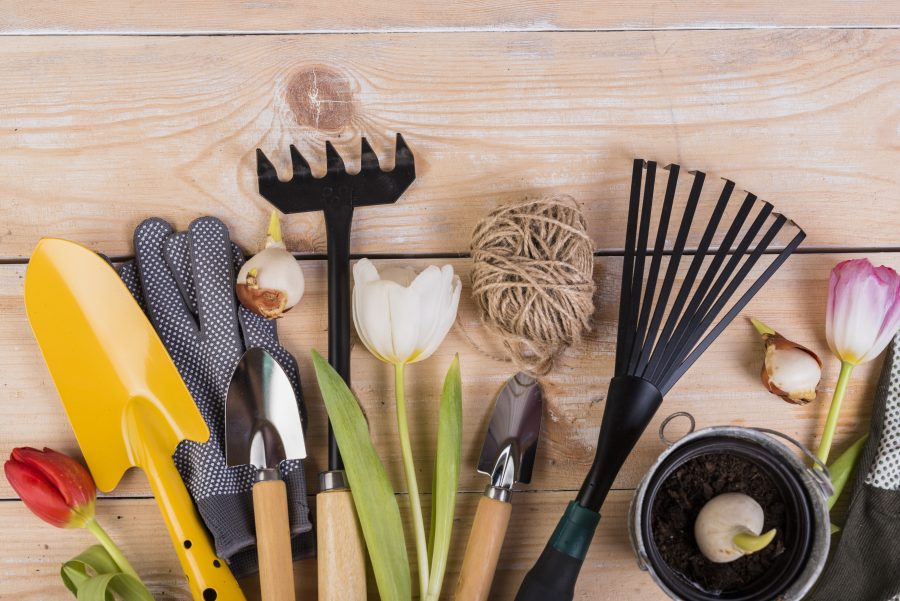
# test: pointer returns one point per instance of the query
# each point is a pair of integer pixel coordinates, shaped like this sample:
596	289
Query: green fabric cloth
865	566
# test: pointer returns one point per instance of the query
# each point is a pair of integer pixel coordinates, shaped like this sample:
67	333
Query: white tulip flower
402	317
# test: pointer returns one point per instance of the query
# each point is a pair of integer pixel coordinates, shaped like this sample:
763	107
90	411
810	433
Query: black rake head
672	295
337	188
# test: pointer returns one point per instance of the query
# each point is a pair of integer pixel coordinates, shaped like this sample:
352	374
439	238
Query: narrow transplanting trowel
263	428
507	457
123	395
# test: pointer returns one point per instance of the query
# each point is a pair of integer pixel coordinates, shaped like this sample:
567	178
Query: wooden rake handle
342	556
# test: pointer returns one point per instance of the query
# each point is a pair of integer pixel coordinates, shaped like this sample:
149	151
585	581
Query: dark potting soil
680	500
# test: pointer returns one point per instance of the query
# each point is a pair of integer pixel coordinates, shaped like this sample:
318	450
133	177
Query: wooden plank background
794	101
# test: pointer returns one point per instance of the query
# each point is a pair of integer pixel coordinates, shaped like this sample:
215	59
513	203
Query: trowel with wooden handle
262	429
507	457
123	395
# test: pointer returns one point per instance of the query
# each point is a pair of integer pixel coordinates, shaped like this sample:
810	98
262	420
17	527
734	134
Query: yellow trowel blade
110	368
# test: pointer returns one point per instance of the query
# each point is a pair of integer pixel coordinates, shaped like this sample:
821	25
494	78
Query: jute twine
532	278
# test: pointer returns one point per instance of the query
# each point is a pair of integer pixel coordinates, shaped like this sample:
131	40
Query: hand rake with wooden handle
341	558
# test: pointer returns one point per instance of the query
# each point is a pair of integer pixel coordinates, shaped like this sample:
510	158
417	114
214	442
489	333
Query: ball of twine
532	278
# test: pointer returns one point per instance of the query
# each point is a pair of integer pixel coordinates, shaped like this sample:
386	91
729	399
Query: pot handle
821	475
665	423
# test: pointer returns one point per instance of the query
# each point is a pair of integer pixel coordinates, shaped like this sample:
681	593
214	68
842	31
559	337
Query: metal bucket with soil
725	459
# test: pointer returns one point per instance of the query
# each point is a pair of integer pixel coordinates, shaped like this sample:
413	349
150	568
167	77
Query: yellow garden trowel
127	404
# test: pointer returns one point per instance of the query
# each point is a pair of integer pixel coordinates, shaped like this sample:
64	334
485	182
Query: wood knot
320	98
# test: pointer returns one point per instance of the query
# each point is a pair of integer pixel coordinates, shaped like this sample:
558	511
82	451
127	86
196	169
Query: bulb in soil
271	282
729	526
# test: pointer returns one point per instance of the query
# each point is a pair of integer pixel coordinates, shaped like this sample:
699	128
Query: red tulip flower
55	487
60	491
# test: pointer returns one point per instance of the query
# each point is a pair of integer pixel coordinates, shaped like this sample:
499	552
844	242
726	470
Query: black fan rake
670	300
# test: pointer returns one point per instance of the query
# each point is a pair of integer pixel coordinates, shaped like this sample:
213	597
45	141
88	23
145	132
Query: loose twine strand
533	278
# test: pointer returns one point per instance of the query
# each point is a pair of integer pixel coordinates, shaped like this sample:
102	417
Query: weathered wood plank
164	125
723	387
207	16
28	565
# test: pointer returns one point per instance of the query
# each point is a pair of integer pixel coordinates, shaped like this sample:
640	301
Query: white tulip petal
428	285
364	272
401	275
373	311
447	317
403	310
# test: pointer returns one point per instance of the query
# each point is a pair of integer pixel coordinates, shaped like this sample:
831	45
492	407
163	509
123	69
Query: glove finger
237	257
213	273
128	273
261	332
178	257
164	303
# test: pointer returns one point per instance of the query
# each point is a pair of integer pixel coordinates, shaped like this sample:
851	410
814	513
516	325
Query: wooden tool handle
483	550
273	541
208	576
342	556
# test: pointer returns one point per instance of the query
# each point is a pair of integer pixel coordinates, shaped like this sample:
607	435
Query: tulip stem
834	411
94	527
409	470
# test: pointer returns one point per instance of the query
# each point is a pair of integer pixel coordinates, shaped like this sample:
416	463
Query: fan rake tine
676	374
655	264
641	256
677	317
739	276
722	280
672	268
625	332
700	296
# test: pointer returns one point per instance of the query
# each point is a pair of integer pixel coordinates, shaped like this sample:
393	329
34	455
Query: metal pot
804	490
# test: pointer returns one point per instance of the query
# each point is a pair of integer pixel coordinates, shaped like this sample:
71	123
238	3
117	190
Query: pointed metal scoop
511	441
262	429
262	419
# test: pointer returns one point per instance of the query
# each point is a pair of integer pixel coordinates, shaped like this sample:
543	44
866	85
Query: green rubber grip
575	531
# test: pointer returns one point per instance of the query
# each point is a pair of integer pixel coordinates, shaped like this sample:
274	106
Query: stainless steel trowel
507	457
263	428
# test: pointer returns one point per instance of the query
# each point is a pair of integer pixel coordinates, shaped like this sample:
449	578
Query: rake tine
734	283
301	167
265	170
676	316
672	269
403	157
333	160
624	332
368	160
655	265
674	376
641	254
700	295
736	257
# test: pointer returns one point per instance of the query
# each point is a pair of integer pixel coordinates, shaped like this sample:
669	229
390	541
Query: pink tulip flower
862	317
863	310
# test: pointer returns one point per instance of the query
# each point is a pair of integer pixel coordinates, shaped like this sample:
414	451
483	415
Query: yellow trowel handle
208	577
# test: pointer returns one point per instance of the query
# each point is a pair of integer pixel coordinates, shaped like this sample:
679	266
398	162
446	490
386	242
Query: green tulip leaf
373	496
94	576
842	468
446	477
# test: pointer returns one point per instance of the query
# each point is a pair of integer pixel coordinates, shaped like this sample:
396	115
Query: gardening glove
865	564
185	283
